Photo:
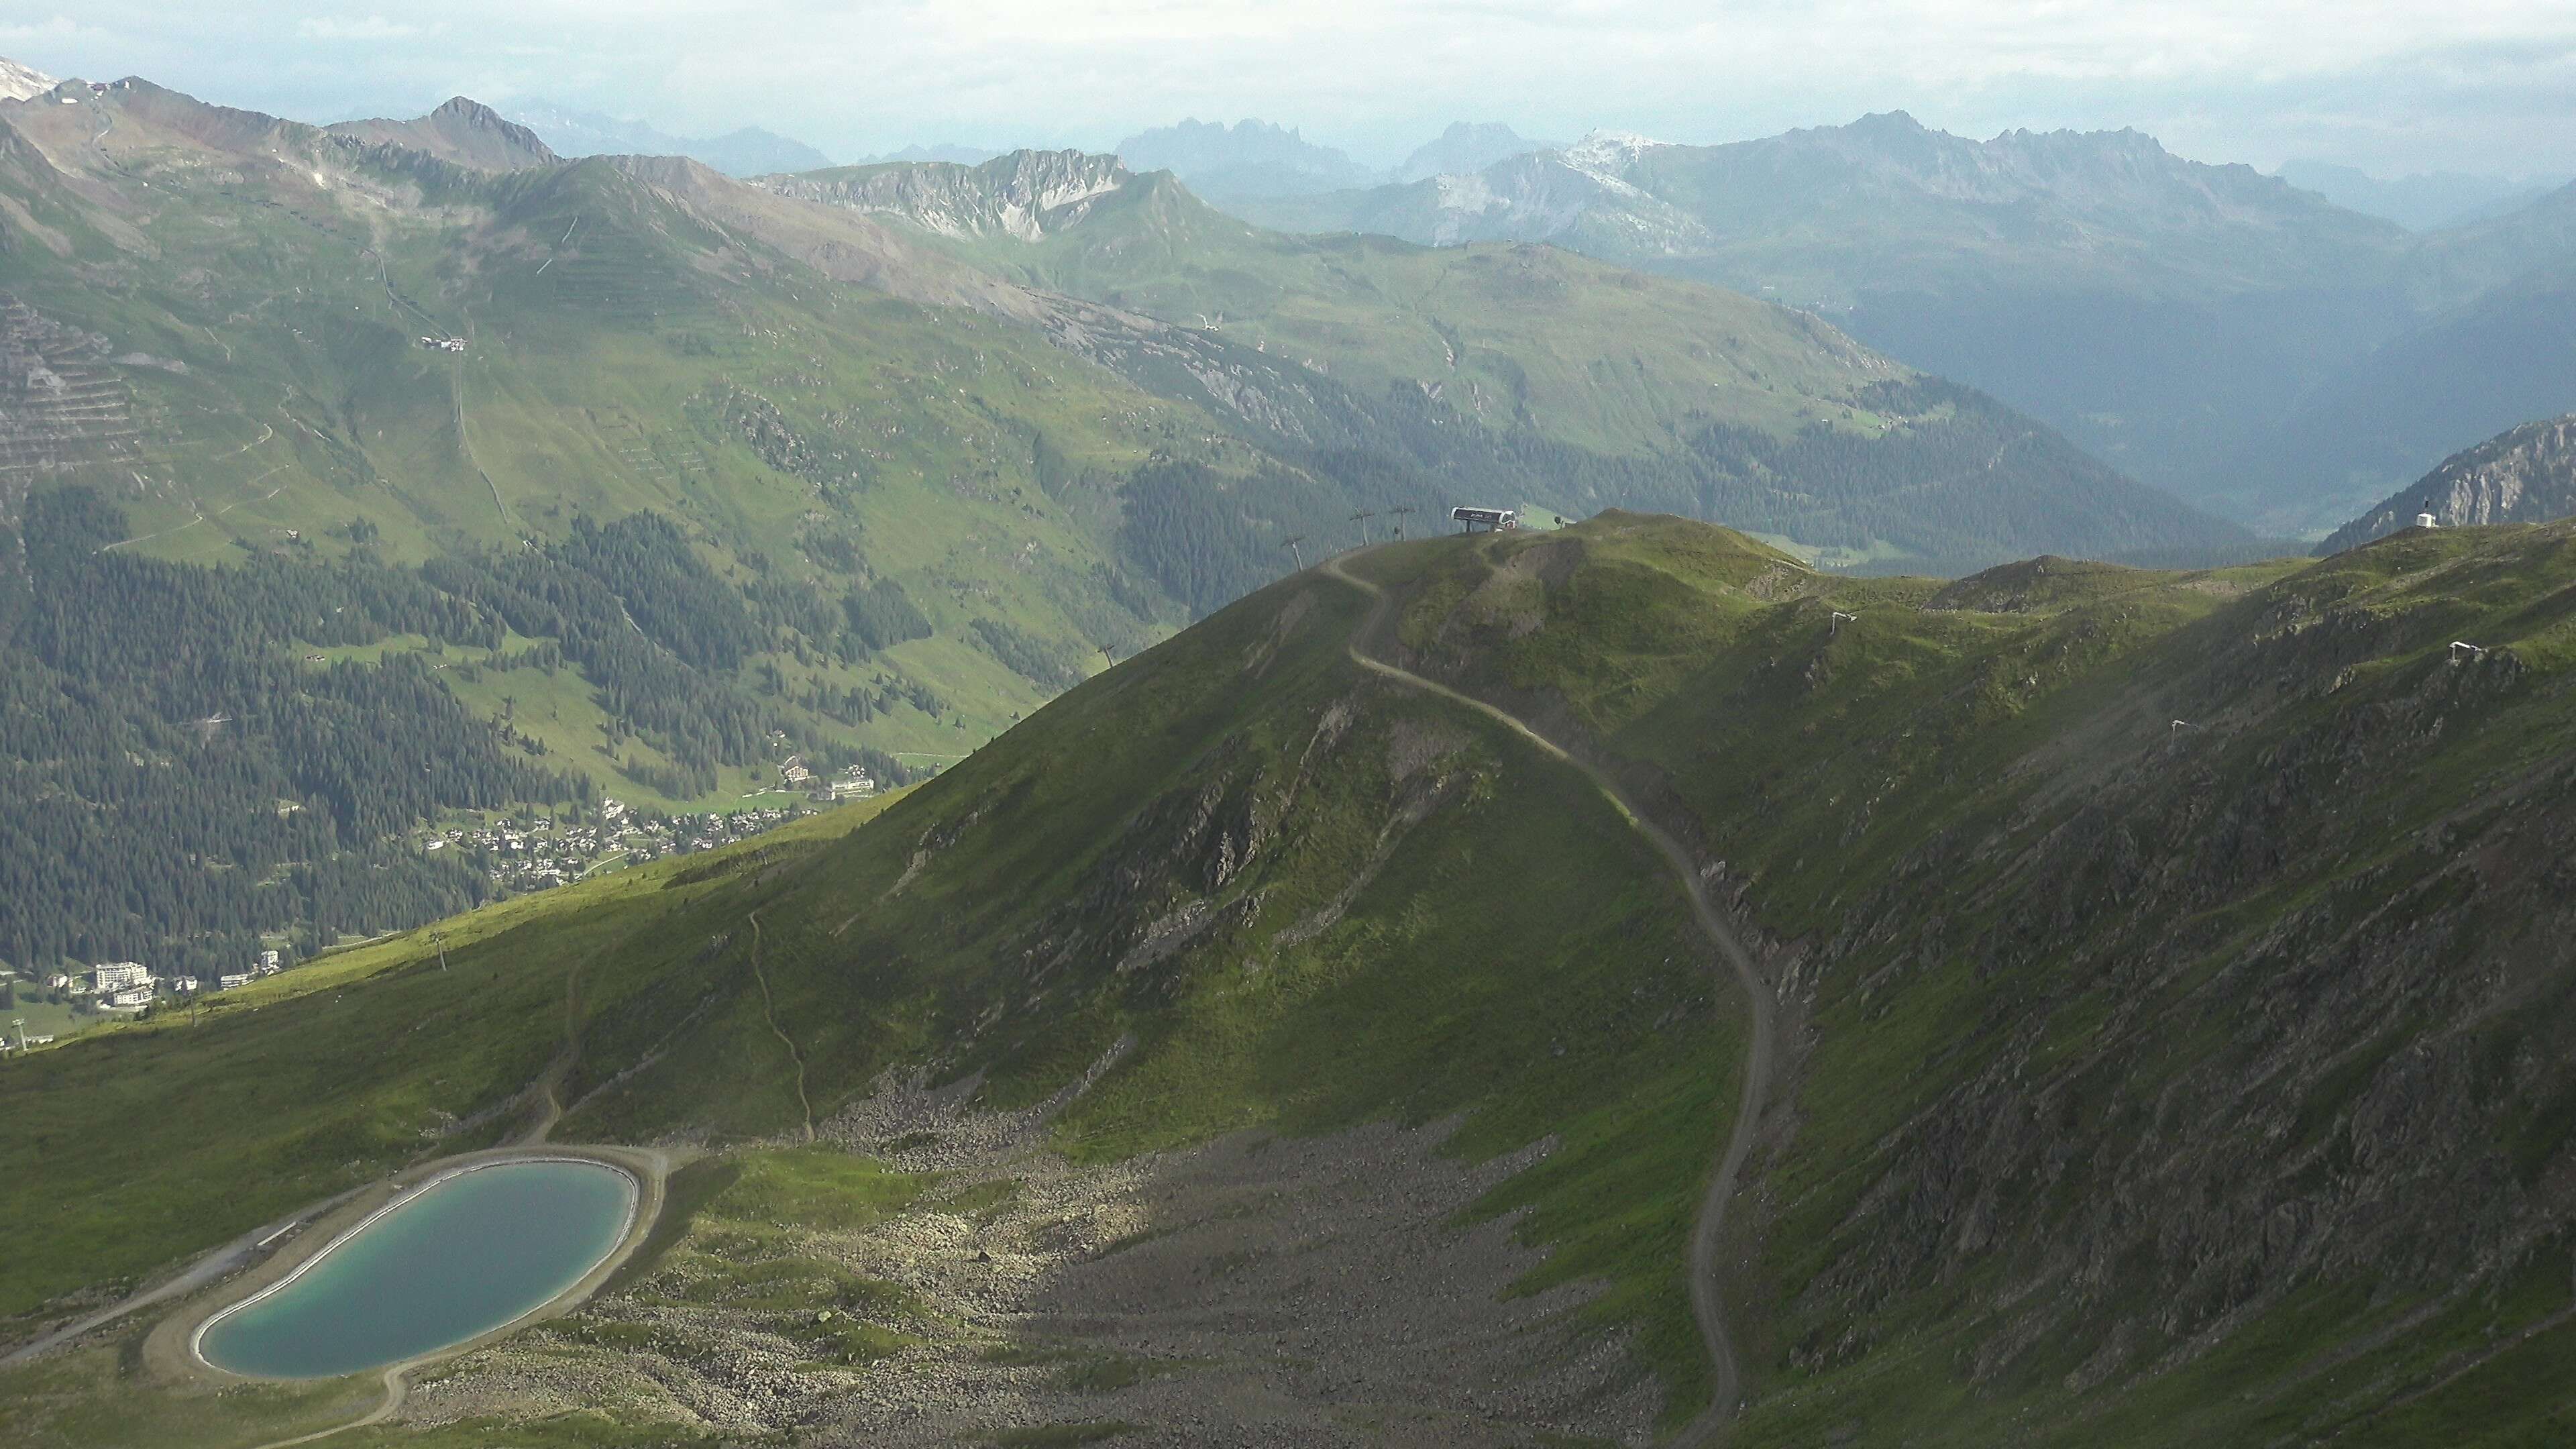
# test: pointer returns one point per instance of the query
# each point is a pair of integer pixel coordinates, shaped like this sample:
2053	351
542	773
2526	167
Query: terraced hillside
2169	971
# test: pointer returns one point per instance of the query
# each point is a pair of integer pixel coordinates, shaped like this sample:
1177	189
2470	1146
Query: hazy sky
2487	85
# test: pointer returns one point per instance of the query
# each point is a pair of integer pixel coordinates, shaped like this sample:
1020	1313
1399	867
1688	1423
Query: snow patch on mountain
19	82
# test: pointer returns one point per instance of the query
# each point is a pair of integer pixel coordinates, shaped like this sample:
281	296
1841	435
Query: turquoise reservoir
461	1256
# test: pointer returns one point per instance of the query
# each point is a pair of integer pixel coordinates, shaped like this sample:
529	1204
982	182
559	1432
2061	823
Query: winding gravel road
1709	1228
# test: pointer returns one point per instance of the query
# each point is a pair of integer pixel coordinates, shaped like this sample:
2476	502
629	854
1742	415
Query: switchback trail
769	1009
1708	1229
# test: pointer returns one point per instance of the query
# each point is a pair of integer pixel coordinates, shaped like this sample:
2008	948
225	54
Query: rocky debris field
1255	1290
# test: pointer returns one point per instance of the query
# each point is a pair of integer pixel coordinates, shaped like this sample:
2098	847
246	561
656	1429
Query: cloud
366	27
2390	83
54	31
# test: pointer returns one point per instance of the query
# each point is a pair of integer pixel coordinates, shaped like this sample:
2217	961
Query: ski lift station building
1468	517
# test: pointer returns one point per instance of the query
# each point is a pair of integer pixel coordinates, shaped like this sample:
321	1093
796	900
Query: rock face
19	82
2524	476
1028	195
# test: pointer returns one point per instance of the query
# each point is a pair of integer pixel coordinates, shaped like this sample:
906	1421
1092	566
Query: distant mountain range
1245	160
2176	318
750	151
1254	160
963	155
2420	202
2527	475
1467	146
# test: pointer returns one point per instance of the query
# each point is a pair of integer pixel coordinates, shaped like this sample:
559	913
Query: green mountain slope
2169	969
1621	388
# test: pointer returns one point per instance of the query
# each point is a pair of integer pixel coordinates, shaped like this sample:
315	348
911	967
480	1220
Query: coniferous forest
178	776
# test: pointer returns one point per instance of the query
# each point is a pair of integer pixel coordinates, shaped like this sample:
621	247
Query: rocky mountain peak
19	82
2527	475
463	132
463	116
1607	155
1023	194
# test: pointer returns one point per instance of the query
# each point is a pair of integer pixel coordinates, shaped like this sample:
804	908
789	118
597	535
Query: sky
2483	86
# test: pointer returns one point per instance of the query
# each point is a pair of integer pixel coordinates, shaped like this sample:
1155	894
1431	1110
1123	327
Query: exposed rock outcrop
2524	476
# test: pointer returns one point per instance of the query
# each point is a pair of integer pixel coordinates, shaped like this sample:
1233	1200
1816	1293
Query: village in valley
517	854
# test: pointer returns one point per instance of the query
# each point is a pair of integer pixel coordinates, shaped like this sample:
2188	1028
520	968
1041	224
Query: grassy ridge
2032	911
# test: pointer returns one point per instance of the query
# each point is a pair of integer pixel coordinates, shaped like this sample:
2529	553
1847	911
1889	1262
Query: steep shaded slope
2065	970
2172	966
2527	475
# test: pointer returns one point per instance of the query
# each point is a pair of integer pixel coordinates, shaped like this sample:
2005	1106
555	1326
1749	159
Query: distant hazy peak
2422	202
1466	148
749	151
1249	157
954	152
1609	152
18	82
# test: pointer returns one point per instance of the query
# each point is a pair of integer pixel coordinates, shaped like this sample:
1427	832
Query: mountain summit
463	132
19	82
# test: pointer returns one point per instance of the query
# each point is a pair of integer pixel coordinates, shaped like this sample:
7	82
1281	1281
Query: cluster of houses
443	344
130	986
850	784
534	854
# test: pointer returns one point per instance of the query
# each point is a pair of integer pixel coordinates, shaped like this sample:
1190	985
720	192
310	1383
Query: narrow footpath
1759	1064
769	1010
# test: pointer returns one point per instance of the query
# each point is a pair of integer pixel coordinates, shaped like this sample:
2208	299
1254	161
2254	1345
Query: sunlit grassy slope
1597	355
1560	378
624	355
